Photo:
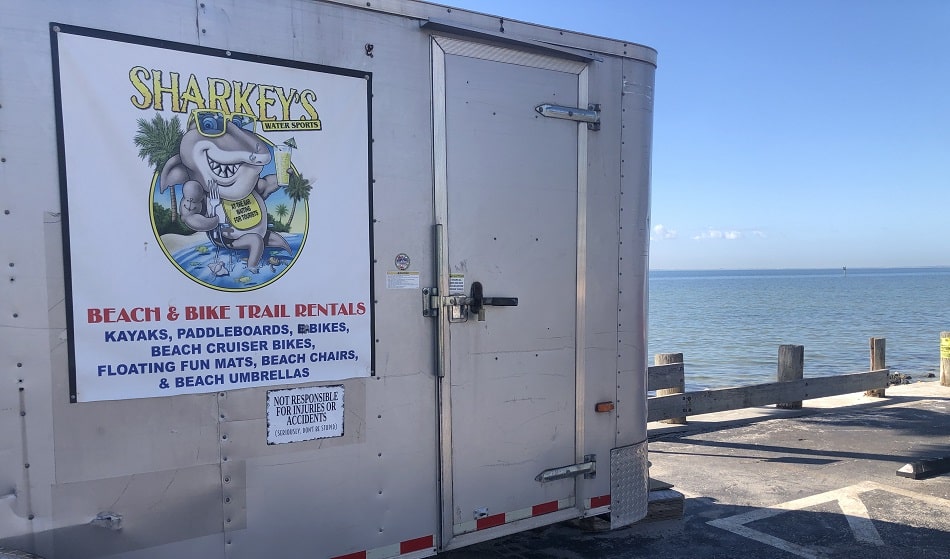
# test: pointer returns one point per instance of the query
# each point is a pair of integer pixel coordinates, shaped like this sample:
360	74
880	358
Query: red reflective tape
417	544
544	508
600	501
357	555
490	521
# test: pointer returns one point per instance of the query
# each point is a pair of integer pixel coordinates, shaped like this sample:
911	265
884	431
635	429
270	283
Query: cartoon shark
218	165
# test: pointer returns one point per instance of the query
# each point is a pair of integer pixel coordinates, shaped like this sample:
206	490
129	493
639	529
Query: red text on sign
134	314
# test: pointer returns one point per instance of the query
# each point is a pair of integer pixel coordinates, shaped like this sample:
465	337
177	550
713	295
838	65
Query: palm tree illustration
158	140
281	211
298	189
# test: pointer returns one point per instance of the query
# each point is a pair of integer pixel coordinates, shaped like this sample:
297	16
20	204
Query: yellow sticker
945	348
244	213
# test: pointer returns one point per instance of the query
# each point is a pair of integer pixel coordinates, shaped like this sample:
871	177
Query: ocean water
227	268
729	324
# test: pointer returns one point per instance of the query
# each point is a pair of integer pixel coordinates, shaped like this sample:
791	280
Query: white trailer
322	278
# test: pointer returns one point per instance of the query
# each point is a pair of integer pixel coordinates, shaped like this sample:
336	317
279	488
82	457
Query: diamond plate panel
629	484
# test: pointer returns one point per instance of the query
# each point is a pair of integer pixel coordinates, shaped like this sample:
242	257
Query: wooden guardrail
673	404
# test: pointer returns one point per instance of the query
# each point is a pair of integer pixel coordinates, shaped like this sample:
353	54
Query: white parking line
859	520
848	498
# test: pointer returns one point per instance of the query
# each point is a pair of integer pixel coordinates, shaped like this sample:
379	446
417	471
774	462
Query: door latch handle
459	307
500	301
478	301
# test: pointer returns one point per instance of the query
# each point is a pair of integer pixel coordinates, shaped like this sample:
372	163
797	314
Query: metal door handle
478	301
500	301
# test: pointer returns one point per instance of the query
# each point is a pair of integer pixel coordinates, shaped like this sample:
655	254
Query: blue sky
787	134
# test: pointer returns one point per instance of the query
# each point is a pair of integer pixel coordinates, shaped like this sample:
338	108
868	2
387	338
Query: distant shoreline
837	270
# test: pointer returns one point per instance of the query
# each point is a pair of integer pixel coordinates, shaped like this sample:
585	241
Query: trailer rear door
509	196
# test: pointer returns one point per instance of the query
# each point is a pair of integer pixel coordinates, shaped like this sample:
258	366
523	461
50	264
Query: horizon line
935	267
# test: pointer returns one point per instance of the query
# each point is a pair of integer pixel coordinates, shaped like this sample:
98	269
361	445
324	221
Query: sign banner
217	211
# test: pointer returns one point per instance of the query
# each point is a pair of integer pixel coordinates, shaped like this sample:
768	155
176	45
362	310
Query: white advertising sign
304	414
217	218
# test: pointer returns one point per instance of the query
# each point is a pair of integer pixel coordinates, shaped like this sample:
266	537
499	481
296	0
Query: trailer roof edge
515	31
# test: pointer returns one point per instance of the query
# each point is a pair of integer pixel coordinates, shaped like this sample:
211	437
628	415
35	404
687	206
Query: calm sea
729	324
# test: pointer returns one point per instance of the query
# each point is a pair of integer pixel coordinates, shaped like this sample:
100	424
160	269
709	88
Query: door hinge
588	468
590	115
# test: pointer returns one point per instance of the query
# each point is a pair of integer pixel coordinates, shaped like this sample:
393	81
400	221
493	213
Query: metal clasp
457	305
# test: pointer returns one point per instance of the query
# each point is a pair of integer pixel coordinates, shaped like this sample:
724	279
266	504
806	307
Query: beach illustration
228	206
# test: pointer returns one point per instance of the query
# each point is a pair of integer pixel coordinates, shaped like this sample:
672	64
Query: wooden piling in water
791	366
666	359
877	363
945	359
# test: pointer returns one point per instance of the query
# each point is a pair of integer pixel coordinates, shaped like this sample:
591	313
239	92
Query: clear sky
787	133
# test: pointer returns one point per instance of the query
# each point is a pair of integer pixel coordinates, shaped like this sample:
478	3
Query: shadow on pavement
903	530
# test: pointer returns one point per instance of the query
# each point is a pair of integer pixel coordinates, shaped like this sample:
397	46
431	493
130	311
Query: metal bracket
590	115
588	468
457	305
430	301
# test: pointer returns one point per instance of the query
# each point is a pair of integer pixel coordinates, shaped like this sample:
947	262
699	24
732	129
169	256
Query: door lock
478	302
459	307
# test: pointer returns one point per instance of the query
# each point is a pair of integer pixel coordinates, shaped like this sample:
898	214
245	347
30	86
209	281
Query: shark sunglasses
213	123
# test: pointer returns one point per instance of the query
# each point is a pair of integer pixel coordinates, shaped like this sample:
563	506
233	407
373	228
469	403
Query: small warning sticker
456	284
402	280
304	414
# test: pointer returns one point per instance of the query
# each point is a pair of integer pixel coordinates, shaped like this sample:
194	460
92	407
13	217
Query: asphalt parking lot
815	483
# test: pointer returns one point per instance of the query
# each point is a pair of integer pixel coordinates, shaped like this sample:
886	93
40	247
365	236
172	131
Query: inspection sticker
304	414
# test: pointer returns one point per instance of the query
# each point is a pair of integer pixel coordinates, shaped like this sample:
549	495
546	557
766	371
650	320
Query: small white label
402	280
456	284
304	414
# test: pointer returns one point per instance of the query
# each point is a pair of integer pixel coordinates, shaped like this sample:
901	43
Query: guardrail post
666	359
791	366
945	359
877	363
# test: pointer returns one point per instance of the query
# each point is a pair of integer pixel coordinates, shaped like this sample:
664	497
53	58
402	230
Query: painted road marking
849	499
860	521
